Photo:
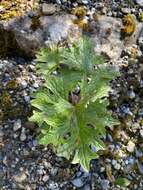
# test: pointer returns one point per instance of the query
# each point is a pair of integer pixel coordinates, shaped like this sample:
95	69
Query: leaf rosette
71	107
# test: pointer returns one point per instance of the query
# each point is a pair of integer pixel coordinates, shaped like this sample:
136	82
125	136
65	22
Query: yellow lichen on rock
82	23
12	84
129	25
35	23
80	12
134	52
15	8
6	100
95	17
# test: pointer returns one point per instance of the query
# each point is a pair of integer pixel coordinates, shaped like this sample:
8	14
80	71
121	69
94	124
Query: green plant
71	105
122	182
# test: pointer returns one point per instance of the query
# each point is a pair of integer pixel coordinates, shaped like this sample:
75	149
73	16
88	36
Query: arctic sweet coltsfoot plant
71	107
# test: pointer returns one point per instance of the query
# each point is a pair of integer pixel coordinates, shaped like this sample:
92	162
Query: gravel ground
115	8
26	165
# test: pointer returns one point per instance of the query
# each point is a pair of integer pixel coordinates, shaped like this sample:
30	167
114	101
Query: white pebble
117	166
45	178
130	146
17	125
22	137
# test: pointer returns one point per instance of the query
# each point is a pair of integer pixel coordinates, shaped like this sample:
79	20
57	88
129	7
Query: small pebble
131	94
20	177
126	162
17	125
140	2
2	9
22	137
1	133
126	10
77	182
85	1
104	184
114	162
48	9
141	132
24	84
117	166
130	146
40	172
45	178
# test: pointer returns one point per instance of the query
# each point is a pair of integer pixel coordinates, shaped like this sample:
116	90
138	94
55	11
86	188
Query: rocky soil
117	30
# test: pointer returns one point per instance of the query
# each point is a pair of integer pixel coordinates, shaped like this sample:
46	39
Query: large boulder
25	35
107	36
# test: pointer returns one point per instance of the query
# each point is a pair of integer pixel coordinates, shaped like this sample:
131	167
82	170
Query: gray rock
85	1
139	2
77	182
20	177
23	83
114	162
58	2
40	171
117	166
104	184
131	94
131	161
35	143
141	132
126	162
48	9
28	187
53	186
45	178
41	188
27	99
22	137
106	35
54	171
35	85
110	137
1	66
62	28
47	165
140	41
19	32
126	10
2	9
140	167
86	187
17	125
130	146
79	173
102	169
1	133
139	153
25	152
